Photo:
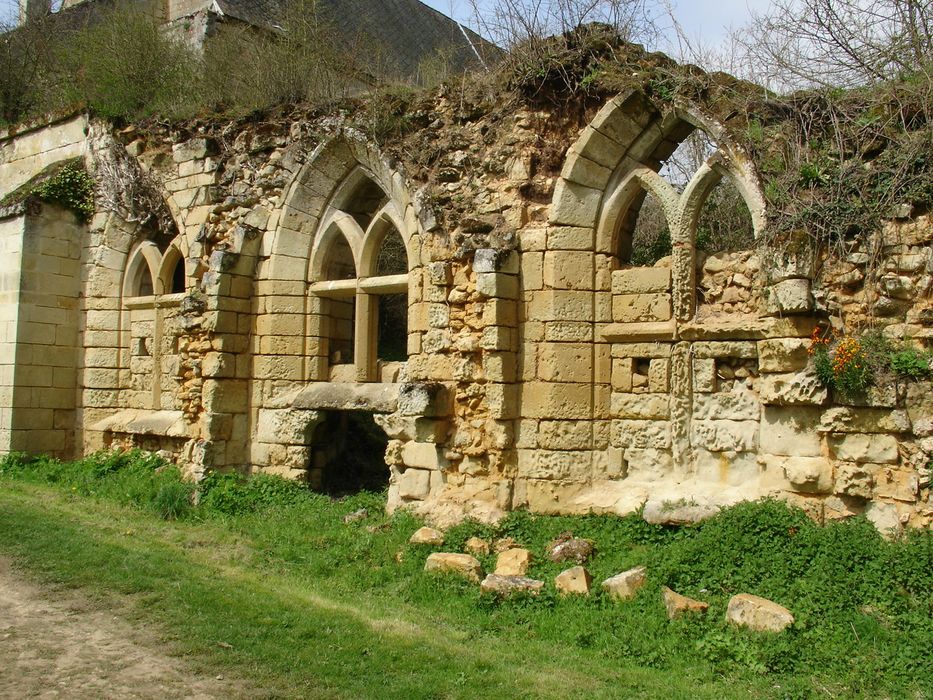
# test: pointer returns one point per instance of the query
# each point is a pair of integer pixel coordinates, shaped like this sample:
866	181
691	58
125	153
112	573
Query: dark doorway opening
348	454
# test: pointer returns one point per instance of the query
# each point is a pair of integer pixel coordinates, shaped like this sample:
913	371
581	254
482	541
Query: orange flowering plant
841	362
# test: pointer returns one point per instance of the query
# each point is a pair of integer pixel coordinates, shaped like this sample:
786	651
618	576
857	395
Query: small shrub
911	363
123	65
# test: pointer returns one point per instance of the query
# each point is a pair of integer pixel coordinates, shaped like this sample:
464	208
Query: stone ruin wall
542	371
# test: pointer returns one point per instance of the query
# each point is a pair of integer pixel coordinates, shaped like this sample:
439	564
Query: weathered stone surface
460	564
573	581
790	431
642	434
507	585
513	562
661	512
427	535
678	605
725	435
896	484
627	584
476	546
846	419
783	354
641	308
789	297
641	280
641	406
758	614
414	484
570	548
885	518
797	389
854	480
735	406
809	474
861	447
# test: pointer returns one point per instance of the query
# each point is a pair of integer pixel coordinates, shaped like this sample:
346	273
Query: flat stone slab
507	585
461	564
141	422
334	396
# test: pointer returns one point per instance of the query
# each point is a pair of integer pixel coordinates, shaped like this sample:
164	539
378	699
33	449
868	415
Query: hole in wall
348	454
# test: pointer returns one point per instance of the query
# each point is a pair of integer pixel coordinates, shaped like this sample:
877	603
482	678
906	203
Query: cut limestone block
513	562
461	564
574	581
758	614
625	585
476	546
507	585
427	535
678	605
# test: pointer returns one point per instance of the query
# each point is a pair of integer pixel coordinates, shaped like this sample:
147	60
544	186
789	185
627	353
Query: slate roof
404	32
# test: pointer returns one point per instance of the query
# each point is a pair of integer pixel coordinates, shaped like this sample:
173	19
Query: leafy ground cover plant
273	569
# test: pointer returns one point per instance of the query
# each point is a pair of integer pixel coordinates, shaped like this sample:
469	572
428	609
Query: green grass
264	580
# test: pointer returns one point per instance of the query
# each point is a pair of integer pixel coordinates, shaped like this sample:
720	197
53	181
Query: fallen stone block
574	581
678	605
476	546
625	585
461	564
507	585
513	562
758	614
570	548
427	535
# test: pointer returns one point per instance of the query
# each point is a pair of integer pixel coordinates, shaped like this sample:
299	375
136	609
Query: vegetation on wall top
65	183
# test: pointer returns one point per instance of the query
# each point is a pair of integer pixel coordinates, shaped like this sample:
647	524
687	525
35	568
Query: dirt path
55	645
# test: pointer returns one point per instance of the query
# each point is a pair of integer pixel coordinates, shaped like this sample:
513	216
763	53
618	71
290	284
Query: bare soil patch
59	644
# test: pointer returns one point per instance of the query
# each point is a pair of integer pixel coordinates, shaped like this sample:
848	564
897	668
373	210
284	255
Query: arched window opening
178	277
680	166
141	278
724	223
341	331
366	200
172	279
644	235
392	334
393	257
338	264
360	277
726	262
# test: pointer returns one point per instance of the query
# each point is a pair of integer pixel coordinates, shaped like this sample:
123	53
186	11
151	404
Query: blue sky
706	19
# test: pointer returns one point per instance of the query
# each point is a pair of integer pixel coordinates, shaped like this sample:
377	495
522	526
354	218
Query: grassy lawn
266	582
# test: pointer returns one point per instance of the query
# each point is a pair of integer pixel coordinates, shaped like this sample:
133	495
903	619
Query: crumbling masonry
222	320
